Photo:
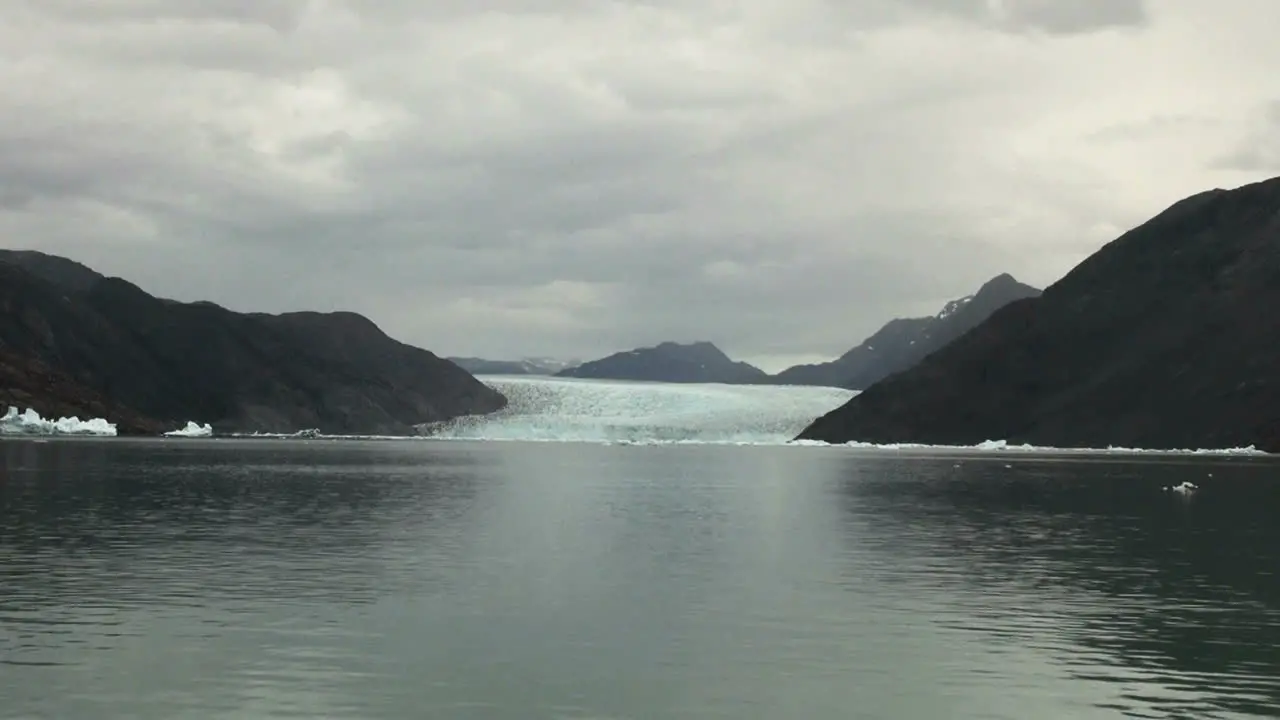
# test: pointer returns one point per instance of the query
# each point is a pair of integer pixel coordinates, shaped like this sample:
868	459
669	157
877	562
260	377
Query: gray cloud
1259	151
1048	16
577	176
1068	18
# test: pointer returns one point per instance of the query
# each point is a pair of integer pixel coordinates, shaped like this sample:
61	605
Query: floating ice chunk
30	423
310	433
192	430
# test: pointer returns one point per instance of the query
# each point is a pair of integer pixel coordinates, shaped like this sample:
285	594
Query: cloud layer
572	177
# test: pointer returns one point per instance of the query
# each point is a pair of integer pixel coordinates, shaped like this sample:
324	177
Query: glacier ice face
570	409
30	423
640	413
192	430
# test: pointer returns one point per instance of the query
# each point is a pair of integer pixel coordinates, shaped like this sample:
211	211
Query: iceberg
192	430
30	423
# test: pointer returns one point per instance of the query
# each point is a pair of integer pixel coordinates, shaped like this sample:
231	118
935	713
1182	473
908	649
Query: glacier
30	423
581	410
548	409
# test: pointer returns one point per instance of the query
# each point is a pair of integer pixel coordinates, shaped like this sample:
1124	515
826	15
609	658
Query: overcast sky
575	177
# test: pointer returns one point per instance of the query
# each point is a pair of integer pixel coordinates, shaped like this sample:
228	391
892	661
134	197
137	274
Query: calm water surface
554	580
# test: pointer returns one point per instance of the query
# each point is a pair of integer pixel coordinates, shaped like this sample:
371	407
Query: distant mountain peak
695	345
669	361
700	350
1004	282
522	366
902	342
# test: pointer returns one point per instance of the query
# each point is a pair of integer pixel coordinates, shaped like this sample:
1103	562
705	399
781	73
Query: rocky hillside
75	342
906	341
1165	338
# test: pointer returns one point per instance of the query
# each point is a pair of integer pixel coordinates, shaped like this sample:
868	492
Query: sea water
229	578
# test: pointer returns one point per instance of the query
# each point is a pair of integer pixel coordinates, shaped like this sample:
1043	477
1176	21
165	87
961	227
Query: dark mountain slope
1167	337
62	272
168	362
28	383
903	342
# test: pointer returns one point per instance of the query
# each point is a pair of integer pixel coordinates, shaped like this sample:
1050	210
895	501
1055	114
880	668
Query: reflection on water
119	528
1172	601
326	579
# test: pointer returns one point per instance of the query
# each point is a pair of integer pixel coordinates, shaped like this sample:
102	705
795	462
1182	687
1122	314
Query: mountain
1167	337
73	342
26	382
523	366
699	362
906	341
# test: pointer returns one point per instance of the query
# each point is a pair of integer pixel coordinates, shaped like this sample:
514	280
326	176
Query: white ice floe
192	430
1004	446
30	423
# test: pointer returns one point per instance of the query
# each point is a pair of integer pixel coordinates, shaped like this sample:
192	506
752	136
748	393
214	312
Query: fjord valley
1154	342
639	360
